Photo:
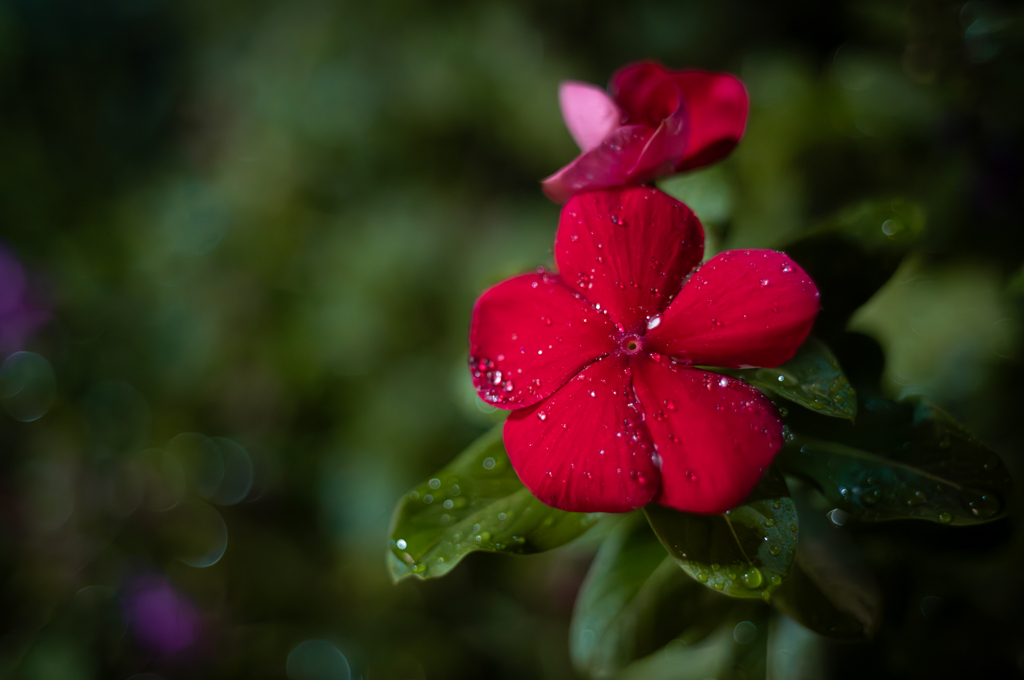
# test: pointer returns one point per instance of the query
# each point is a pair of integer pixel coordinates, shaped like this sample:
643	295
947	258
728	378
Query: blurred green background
267	221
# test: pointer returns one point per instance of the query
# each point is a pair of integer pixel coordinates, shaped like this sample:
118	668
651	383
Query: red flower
598	364
656	122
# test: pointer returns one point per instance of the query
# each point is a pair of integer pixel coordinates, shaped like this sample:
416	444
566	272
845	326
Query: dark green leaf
794	652
476	503
939	472
746	552
830	589
854	253
736	651
634	601
812	378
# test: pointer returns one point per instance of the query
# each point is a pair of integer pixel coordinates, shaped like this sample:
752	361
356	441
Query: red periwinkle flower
598	363
656	122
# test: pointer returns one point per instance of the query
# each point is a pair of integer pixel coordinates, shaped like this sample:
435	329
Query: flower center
631	344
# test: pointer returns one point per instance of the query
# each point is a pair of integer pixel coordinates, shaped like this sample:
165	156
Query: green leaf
794	652
830	590
936	470
475	503
853	253
737	650
812	378
634	601
746	552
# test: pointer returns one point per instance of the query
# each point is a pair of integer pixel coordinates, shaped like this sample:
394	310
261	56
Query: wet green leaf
634	601
812	378
475	503
852	254
922	465
830	590
746	552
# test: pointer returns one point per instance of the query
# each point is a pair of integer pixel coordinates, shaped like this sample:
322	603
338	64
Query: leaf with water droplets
634	601
744	553
853	253
831	589
812	378
475	503
904	460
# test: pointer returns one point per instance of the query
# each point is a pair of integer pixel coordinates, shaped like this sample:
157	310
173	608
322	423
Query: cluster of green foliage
891	460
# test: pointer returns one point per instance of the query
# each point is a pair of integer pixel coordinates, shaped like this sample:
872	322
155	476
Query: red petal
609	164
741	308
529	335
589	113
639	89
584	448
715	105
628	250
715	435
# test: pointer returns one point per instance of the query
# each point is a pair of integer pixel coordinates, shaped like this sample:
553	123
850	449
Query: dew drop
752	578
981	504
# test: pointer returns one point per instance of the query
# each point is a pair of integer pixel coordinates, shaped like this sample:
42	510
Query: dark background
268	221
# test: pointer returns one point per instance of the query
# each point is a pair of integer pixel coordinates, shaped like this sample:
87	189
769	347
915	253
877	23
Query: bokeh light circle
317	660
28	386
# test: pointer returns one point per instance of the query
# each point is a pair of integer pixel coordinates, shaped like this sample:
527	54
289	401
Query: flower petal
589	113
741	308
628	250
529	335
640	90
609	164
584	448
715	435
715	104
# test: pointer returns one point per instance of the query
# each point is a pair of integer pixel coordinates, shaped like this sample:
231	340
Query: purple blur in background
20	315
164	620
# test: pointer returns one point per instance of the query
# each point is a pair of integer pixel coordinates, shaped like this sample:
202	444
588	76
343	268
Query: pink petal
715	435
609	164
584	448
589	113
628	250
741	308
529	335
